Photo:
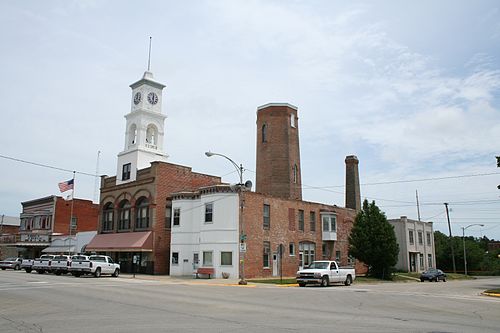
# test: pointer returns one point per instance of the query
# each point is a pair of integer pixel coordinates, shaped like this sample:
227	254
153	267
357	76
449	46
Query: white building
416	244
205	231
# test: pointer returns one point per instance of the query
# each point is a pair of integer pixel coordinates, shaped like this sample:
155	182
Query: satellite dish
248	185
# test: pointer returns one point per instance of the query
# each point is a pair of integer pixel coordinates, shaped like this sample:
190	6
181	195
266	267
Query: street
49	303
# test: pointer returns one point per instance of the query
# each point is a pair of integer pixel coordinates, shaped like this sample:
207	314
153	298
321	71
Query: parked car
96	265
76	263
60	264
433	274
27	265
14	263
42	264
324	273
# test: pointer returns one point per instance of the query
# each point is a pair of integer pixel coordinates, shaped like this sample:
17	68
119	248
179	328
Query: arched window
142	213
133	134
151	136
295	173
124	215
264	133
107	217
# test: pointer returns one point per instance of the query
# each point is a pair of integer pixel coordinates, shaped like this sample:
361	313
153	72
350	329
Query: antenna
149	56
96	177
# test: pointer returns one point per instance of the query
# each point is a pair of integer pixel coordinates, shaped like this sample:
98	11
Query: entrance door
413	262
275	264
187	268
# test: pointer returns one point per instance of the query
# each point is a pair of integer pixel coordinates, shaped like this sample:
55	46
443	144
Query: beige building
416	244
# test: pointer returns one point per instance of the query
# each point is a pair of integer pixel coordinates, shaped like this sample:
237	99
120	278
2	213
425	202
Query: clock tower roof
147	78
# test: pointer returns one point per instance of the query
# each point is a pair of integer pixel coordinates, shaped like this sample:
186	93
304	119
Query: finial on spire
149	56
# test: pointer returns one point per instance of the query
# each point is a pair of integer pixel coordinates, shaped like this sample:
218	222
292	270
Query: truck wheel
324	281
3	268
348	280
28	270
116	273
76	274
17	267
58	272
40	271
97	272
302	284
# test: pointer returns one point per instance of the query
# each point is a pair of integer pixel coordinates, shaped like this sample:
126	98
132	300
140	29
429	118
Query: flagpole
71	212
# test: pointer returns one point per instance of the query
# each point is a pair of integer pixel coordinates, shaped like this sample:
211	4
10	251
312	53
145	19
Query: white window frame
211	264
173	255
176	209
209	211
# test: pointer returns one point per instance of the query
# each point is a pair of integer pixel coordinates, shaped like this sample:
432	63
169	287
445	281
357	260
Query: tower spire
149	55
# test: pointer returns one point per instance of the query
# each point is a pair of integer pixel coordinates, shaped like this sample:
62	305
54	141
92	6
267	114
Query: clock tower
144	130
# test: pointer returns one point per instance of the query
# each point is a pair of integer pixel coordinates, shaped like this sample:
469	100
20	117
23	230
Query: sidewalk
184	279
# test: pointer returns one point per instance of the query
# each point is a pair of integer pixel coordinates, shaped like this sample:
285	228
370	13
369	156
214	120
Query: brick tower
352	194
278	154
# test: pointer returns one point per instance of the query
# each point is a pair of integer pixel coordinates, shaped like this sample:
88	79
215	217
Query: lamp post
463	239
239	169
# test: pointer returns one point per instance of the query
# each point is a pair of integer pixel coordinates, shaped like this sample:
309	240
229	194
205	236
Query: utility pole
451	238
418	206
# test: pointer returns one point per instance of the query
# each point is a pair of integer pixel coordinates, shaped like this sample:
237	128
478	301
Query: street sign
243	247
243	237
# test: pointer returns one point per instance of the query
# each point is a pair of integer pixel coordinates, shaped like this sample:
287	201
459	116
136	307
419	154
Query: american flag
66	186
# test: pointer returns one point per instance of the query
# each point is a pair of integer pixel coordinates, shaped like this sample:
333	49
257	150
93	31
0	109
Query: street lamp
239	169
463	239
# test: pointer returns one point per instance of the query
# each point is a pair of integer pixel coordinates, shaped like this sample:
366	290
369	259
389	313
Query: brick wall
85	211
283	213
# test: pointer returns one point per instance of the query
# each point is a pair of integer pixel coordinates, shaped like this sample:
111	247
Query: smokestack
352	193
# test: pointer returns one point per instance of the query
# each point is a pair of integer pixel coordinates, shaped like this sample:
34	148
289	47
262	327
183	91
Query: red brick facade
284	229
155	183
278	155
85	212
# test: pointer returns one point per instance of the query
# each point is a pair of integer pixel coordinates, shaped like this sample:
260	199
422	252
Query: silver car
13	263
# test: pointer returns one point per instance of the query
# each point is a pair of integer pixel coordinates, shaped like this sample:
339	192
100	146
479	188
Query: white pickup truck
324	273
42	264
60	264
96	265
27	265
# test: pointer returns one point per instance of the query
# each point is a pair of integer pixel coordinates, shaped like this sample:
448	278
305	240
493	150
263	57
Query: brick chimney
352	193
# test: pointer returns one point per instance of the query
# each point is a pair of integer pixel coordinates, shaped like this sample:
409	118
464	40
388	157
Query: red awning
122	242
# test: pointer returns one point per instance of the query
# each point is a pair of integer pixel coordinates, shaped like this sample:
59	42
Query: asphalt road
49	303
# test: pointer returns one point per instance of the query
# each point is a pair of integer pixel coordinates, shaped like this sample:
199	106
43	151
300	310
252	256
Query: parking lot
49	303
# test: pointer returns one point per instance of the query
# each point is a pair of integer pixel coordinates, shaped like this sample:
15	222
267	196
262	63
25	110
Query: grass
493	291
416	276
274	281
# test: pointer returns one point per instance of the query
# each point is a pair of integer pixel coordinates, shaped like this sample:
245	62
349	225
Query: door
187	268
334	273
413	262
301	261
275	264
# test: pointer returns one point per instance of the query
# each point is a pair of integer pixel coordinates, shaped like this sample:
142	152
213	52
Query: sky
411	88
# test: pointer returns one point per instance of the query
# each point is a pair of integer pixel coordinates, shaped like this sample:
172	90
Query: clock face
152	98
137	98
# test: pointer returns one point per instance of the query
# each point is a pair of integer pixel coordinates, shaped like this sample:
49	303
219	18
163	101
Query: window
292	120
175	258
429	260
209	209
264	133
329	223
420	238
168	217
291	248
308	251
410	235
142	212
107	217
207	258
226	258
295	173
350	260
177	216
312	221
301	220
267	217
124	220
267	251
421	261
126	171
74	223
337	256
428	234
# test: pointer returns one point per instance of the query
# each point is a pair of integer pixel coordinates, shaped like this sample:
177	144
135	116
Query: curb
490	294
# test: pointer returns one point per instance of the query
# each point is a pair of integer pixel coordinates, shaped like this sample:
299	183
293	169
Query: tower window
126	171
264	133
295	173
292	120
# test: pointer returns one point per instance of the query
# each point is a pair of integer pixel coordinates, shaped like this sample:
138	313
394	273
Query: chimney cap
351	158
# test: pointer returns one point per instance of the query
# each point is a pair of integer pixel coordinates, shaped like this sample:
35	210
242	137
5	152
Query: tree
373	241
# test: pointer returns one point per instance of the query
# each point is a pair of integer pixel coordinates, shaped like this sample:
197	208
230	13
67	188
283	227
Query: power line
47	166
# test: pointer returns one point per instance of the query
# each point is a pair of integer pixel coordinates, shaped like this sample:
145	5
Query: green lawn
493	291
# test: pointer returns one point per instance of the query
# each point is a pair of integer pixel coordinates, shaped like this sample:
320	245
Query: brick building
44	218
9	229
278	232
135	209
